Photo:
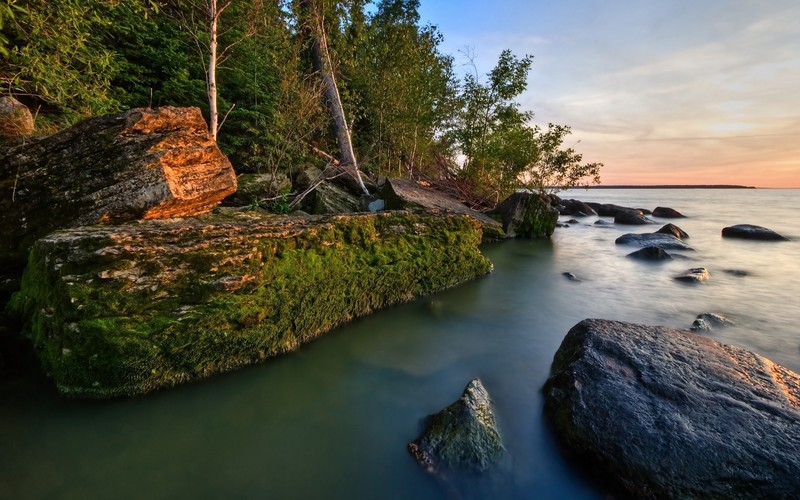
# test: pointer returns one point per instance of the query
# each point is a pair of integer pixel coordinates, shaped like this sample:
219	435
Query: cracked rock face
141	164
669	414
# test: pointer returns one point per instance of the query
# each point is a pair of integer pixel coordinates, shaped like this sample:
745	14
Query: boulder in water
751	232
694	275
660	240
650	253
463	437
576	208
527	214
708	321
667	213
665	413
631	217
674	231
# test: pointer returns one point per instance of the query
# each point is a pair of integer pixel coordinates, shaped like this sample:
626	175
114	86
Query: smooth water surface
333	419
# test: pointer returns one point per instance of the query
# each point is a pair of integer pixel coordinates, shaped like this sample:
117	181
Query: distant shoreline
675	186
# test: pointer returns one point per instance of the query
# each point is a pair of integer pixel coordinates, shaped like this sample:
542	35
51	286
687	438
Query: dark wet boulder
573	221
463	437
708	321
674	231
576	208
603	223
751	232
694	275
570	276
608	209
631	217
526	214
666	413
660	240
667	213
650	253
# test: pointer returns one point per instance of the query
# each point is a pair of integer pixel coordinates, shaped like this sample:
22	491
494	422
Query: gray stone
528	215
631	217
377	205
665	413
256	188
751	232
329	198
674	231
575	207
667	213
650	253
694	275
463	437
708	321
660	240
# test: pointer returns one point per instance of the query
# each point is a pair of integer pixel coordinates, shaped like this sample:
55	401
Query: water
333	420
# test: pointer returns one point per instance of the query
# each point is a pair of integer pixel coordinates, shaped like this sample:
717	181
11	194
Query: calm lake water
333	420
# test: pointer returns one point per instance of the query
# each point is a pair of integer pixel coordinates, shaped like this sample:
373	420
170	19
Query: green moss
154	318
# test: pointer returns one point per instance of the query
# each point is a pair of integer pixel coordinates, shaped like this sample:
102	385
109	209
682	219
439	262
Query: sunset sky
661	92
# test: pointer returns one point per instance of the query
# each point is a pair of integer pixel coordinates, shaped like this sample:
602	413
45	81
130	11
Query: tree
315	32
556	168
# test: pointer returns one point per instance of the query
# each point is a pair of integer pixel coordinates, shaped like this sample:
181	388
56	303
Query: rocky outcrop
670	414
575	207
260	189
667	213
329	198
631	217
16	120
751	232
403	194
674	231
463	437
123	310
660	240
527	215
650	253
708	321
694	275
142	164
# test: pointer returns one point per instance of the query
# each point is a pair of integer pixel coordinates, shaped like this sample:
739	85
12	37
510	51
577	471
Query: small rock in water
674	231
573	221
751	232
707	321
462	437
660	240
635	217
602	222
736	272
667	213
651	253
571	276
695	275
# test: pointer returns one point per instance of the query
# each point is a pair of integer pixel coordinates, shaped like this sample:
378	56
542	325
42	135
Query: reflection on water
333	420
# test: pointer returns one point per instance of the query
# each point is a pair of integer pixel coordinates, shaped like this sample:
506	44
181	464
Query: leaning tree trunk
322	64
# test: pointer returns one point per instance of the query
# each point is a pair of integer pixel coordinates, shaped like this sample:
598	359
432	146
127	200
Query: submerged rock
667	213
124	310
674	231
528	215
708	321
660	240
694	275
570	276
650	253
141	164
751	232
463	437
669	414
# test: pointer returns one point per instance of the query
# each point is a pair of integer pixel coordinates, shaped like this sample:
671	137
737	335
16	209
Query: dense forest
251	66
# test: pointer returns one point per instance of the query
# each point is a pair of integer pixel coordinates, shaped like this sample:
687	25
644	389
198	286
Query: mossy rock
123	310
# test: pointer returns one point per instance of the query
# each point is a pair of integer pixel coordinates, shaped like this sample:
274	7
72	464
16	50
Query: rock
707	321
16	120
329	198
402	194
674	231
609	209
571	276
575	207
751	232
650	253
669	414
603	223
736	272
527	215
463	437
377	205
307	175
631	217
141	164
124	310
660	240
694	275
667	213
255	188
573	221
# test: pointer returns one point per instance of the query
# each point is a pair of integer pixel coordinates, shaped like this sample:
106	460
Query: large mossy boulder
123	310
141	164
669	414
461	438
527	215
404	194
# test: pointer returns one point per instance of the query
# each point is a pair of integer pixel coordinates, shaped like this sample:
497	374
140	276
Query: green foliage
555	167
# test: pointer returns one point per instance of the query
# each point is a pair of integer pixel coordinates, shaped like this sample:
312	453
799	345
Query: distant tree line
408	113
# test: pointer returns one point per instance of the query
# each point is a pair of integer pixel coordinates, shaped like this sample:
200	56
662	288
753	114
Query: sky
660	91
